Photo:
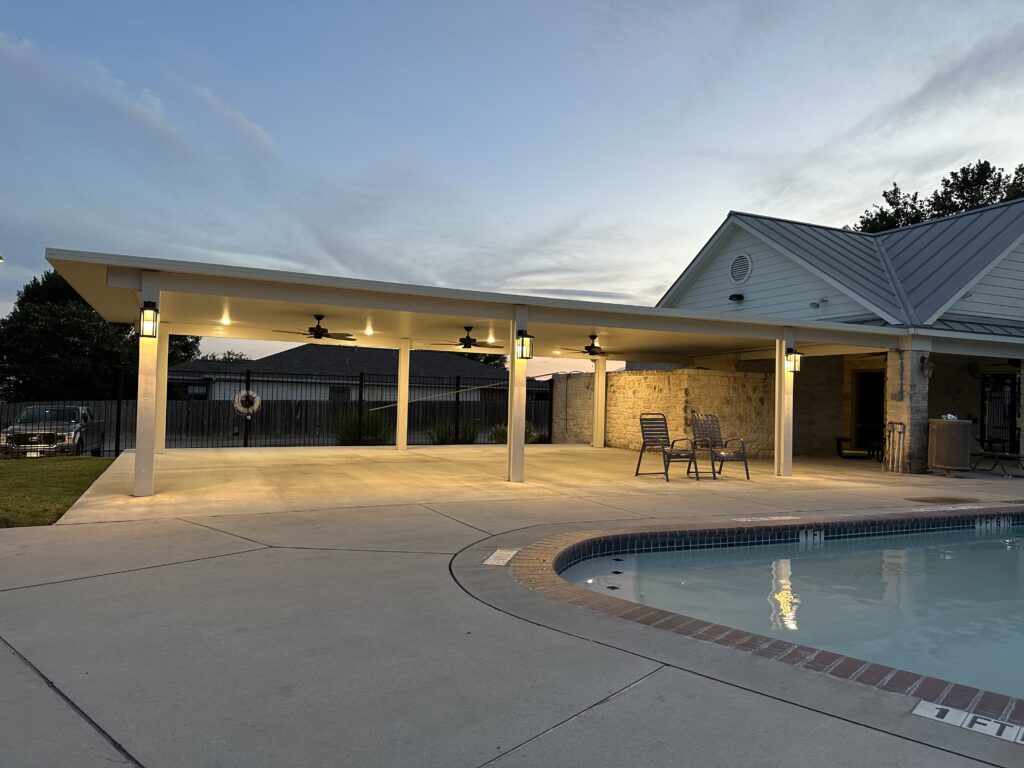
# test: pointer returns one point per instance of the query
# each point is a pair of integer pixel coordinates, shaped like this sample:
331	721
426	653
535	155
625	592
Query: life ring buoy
246	402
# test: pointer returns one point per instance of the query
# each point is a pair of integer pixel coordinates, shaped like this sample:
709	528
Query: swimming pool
946	603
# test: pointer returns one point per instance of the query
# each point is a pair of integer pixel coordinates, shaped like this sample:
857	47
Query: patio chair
995	451
654	430
707	436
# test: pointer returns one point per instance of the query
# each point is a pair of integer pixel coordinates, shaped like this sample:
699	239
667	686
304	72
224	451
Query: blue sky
564	148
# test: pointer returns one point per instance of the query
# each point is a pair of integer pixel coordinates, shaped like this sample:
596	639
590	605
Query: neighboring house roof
334	360
908	276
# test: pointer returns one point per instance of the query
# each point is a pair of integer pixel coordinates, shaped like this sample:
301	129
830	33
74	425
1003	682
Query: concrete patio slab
306	658
721	726
40	728
32	556
408	528
497	516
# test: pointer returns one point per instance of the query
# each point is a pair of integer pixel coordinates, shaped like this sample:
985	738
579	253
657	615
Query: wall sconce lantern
927	367
524	345
793	360
149	318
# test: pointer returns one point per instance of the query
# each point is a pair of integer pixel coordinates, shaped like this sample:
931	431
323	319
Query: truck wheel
98	450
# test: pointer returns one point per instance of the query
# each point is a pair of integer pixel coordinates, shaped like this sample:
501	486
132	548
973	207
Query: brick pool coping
538	567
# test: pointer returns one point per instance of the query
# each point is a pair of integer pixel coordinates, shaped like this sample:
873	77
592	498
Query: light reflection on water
948	604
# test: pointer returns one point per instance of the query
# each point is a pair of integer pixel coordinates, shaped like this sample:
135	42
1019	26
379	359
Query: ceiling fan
468	342
318	332
591	349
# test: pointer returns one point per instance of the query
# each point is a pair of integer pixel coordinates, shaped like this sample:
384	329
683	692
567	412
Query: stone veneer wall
744	402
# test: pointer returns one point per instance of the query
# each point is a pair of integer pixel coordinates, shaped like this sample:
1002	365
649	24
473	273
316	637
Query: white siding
777	286
1000	293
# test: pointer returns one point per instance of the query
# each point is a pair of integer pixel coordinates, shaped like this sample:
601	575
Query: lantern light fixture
927	366
793	360
149	319
524	345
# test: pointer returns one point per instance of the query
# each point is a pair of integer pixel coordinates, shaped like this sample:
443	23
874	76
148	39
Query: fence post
360	406
117	417
245	429
458	408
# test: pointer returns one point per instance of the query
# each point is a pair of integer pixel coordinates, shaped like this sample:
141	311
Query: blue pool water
947	604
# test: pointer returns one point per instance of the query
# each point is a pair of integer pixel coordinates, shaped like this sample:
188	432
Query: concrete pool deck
311	607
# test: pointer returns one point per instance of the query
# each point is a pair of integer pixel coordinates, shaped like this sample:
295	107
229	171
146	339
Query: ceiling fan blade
297	333
488	344
570	349
341	336
445	344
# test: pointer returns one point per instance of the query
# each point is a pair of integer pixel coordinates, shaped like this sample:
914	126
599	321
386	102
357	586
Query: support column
600	397
516	440
160	428
402	409
783	407
146	399
906	403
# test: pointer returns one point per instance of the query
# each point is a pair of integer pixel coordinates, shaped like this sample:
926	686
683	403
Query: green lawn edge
40	491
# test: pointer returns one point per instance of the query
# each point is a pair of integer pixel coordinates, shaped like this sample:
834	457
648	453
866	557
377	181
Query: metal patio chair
654	430
996	451
707	436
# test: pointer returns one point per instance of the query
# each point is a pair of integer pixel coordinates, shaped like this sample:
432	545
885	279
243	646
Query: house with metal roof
959	276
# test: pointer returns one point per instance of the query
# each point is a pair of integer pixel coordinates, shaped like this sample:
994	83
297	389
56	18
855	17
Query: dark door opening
1000	402
868	409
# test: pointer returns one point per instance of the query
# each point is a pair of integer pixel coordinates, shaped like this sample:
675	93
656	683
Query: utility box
949	444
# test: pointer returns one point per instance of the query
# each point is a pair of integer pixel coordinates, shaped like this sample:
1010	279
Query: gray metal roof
910	274
848	258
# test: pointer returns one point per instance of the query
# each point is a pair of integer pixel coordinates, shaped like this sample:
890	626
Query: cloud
235	117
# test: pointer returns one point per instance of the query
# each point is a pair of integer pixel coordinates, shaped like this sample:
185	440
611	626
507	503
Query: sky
579	148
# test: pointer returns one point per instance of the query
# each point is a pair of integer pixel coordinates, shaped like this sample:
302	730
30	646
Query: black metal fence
252	409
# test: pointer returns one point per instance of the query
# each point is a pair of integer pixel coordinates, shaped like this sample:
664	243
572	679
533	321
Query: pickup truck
49	430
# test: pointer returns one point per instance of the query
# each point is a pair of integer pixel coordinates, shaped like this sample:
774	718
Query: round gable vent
739	270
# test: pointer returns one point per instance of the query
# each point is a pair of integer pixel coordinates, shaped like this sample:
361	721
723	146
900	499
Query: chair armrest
739	440
682	440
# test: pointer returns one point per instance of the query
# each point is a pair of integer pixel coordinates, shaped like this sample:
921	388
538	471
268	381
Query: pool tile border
538	567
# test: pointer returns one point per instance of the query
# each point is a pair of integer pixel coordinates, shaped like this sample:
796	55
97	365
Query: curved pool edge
531	589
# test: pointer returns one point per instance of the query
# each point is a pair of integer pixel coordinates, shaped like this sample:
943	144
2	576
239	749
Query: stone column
906	403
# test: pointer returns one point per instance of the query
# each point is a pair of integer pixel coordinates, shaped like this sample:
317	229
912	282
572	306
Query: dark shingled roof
333	360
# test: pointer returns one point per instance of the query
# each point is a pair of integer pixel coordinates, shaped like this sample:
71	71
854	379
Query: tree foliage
495	361
53	345
228	356
970	187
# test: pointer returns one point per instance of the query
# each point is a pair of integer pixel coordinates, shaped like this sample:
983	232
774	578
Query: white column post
146	399
516	426
783	407
160	428
402	412
600	394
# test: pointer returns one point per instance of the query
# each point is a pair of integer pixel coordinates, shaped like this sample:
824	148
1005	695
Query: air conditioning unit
949	444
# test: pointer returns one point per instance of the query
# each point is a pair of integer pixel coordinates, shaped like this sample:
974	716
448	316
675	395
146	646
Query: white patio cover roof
248	303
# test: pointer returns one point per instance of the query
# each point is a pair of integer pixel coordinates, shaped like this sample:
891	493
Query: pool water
948	604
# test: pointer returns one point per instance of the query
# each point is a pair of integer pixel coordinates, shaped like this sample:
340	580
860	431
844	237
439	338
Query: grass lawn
39	491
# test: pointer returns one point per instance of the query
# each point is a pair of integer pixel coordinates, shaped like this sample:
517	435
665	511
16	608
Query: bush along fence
248	409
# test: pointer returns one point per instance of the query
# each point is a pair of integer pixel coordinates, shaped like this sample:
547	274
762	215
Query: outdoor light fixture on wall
524	346
149	318
793	360
927	367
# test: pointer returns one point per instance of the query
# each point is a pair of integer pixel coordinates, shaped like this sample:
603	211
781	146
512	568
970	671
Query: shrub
499	433
374	429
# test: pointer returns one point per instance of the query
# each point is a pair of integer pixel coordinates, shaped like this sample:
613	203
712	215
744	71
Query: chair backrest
654	428
707	432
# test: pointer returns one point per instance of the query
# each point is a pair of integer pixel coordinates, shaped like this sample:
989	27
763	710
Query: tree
53	345
970	187
230	356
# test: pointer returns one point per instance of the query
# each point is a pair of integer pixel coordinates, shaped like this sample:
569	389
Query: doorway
868	409
1000	403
